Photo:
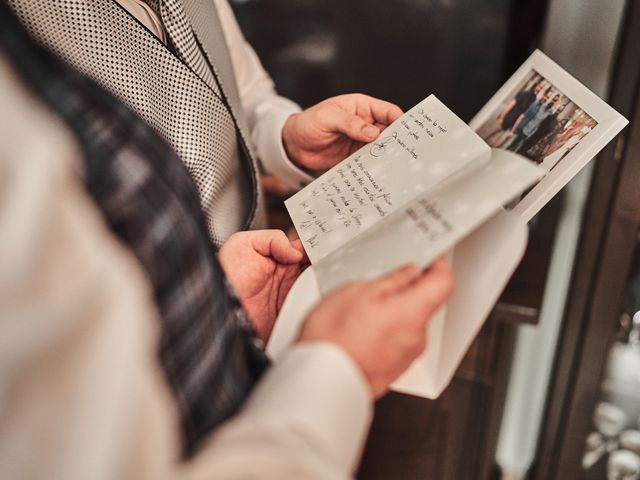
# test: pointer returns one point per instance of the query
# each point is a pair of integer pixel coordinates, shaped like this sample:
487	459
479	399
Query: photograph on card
537	120
544	114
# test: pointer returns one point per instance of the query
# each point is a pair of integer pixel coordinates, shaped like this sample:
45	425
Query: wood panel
602	263
453	437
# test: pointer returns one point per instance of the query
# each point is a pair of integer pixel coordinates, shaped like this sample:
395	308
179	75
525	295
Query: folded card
432	185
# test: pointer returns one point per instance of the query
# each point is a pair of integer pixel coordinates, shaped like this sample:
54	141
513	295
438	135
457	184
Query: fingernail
371	131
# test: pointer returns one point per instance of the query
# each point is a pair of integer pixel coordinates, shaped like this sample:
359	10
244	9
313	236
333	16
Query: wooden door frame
604	256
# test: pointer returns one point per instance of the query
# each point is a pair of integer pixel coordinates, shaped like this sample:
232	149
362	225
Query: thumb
350	125
430	291
297	244
275	244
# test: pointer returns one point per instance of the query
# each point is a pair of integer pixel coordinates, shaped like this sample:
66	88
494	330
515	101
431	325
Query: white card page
430	224
422	148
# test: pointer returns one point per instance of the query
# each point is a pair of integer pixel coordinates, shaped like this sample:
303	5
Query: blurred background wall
399	50
461	51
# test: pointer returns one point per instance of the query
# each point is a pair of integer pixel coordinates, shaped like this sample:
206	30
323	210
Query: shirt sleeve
77	340
307	419
265	110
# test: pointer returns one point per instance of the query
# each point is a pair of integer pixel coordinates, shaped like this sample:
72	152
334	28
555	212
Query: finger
428	292
394	281
283	251
334	118
275	244
372	109
297	244
440	264
380	126
384	112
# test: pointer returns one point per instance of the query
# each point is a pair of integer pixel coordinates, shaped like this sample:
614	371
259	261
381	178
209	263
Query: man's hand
382	324
321	136
262	266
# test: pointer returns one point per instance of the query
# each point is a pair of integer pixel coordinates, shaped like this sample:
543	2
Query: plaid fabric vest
208	349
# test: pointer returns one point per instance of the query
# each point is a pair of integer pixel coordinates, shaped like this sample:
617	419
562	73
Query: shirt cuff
271	151
319	388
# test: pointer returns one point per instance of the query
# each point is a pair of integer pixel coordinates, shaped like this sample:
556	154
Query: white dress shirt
265	111
81	390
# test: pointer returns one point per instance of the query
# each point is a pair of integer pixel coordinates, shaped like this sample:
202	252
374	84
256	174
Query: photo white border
610	123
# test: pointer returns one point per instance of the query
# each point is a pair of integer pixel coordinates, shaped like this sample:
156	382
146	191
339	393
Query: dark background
397	50
402	51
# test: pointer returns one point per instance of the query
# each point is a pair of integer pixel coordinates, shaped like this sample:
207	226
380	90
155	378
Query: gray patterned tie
183	40
196	34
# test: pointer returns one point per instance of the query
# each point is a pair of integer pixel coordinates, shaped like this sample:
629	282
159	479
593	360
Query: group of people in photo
539	122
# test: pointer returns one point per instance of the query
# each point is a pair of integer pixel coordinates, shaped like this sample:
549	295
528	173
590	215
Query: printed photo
538	121
546	115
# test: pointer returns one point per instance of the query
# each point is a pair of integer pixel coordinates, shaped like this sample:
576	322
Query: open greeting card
432	185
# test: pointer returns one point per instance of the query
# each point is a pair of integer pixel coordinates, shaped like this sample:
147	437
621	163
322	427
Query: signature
379	148
386	198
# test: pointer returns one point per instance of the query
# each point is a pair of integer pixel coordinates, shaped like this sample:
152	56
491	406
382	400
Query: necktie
183	40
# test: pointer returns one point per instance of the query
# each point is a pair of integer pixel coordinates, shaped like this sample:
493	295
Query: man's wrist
289	144
288	141
270	146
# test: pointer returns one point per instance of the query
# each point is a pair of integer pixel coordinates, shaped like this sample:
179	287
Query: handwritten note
431	223
423	147
429	219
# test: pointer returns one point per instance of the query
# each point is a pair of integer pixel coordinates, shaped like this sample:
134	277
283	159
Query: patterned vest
209	351
189	96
